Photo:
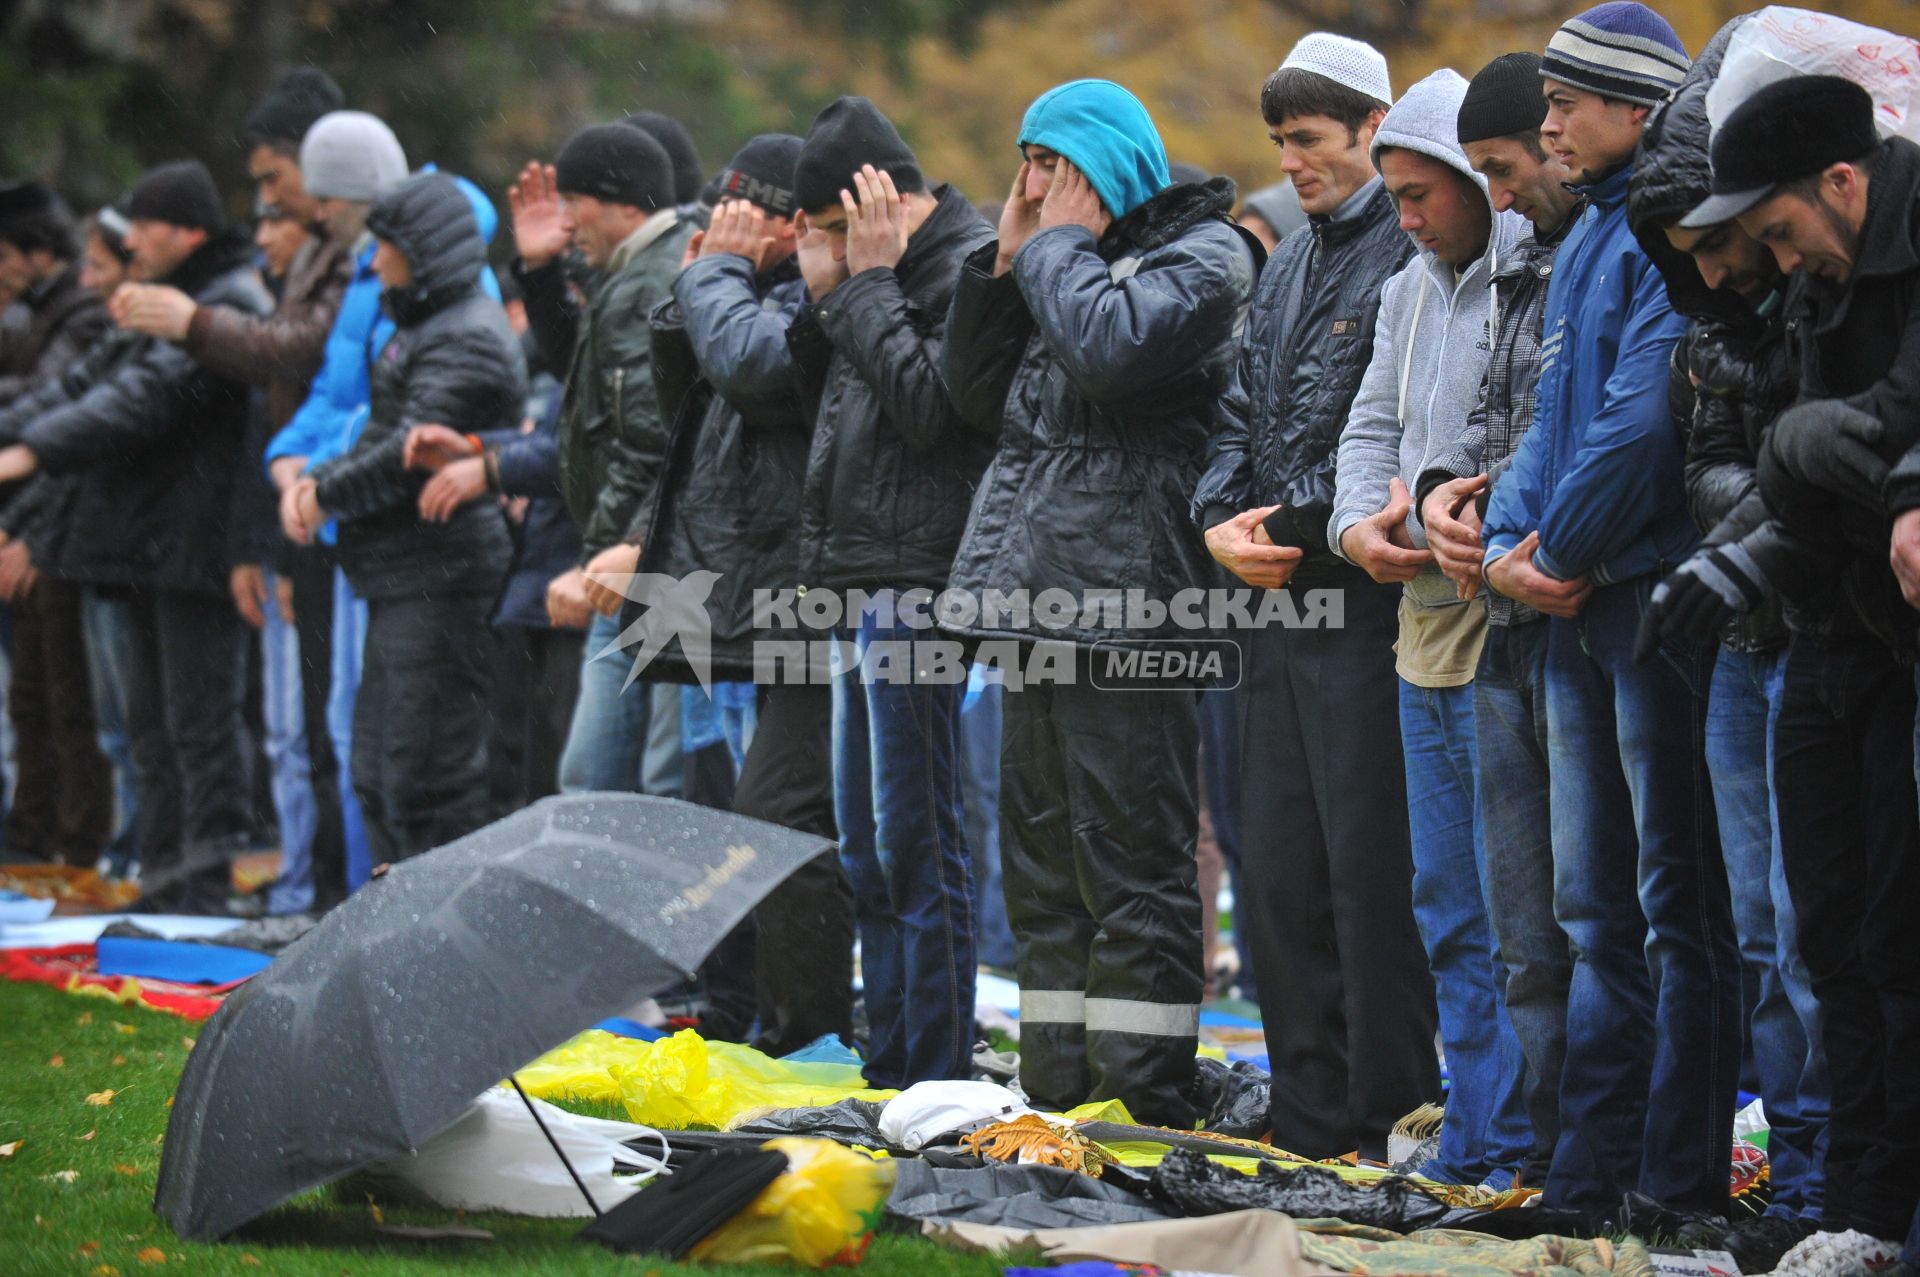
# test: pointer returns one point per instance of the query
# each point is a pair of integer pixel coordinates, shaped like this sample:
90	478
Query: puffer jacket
1097	365
64	320
1731	375
454	360
730	498
1601	474
152	439
892	466
1306	346
613	439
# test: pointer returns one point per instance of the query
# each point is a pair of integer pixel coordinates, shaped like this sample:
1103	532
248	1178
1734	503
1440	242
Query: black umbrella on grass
376	1030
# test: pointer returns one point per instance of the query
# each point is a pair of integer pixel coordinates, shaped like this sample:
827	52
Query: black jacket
892	466
1097	366
153	440
1732	373
453	359
1860	343
737	458
65	319
1307	344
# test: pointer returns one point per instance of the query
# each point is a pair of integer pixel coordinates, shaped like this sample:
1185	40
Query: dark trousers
420	722
535	686
62	809
1345	992
311	570
1098	817
185	688
803	962
1850	842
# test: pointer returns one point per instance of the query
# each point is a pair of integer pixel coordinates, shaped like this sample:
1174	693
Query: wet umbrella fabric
376	1030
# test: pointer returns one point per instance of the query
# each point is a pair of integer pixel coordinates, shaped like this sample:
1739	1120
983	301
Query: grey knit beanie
350	155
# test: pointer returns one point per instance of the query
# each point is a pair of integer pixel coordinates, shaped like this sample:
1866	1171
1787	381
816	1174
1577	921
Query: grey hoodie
1430	350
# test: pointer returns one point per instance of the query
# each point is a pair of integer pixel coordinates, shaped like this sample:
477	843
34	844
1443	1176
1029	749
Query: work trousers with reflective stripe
1098	821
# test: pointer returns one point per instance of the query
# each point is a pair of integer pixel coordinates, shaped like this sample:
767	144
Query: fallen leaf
252	1261
57	1062
124	1169
152	1255
125	1028
188	1043
86	1017
119	1059
87	1248
106	1270
8	1150
169	1101
90	1134
65	1177
100	1099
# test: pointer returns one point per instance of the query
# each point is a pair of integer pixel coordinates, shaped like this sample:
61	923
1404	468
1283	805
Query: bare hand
877	227
17	573
283	596
17	462
1905	554
457	483
300	514
1242	546
567	605
154	309
1072	201
741	229
432	446
817	265
539	230
607	574
1019	219
1514	575
1454	537
286	471
1371	544
248	585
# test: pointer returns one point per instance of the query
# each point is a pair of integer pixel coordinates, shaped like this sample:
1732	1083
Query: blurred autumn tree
92	90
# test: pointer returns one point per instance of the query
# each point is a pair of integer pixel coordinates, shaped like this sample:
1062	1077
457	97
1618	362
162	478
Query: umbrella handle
535	1114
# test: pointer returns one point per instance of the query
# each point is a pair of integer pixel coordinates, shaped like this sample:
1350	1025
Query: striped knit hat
1619	50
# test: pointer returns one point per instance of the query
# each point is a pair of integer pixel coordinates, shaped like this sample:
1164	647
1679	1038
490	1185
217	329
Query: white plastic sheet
495	1158
1778	42
925	1111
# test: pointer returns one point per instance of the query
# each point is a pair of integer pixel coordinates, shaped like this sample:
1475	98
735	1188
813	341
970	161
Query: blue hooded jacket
1107	134
1601	475
336	406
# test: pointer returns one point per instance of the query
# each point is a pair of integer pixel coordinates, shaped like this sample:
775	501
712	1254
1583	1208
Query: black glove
1711	588
1831	445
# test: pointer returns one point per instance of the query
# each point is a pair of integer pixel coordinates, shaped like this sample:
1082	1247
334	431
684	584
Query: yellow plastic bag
685	1082
820	1213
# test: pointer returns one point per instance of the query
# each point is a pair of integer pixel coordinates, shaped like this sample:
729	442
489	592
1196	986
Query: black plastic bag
848	1122
672	1214
1193	1185
1234	1098
1014	1196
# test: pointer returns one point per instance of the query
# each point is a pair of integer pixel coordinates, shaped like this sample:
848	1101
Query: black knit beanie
1503	99
678	144
618	164
289	109
761	172
181	193
847	134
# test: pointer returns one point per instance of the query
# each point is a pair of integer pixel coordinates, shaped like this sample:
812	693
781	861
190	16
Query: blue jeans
1785	1019
728	716
621	741
349	643
896	780
105	621
980	758
284	715
1653	1013
1532	959
1486	1130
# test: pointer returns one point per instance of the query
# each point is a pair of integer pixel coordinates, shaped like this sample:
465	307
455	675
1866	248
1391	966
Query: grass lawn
76	1195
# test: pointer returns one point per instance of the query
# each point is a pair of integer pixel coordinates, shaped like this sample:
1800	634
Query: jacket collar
222	253
1887	235
1610	190
947	225
1361	212
1167	216
642	238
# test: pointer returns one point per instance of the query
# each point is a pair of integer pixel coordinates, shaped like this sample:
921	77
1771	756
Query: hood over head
431	221
1107	133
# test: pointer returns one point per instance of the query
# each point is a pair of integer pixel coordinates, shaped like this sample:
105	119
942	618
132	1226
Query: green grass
97	1220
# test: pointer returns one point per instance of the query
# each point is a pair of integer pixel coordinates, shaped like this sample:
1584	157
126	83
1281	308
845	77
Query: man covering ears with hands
1092	342
889	477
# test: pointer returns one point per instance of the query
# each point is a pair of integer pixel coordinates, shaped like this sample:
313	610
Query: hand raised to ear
1072	201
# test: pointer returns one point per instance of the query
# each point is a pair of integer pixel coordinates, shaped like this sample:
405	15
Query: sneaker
1758	1244
1848	1254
